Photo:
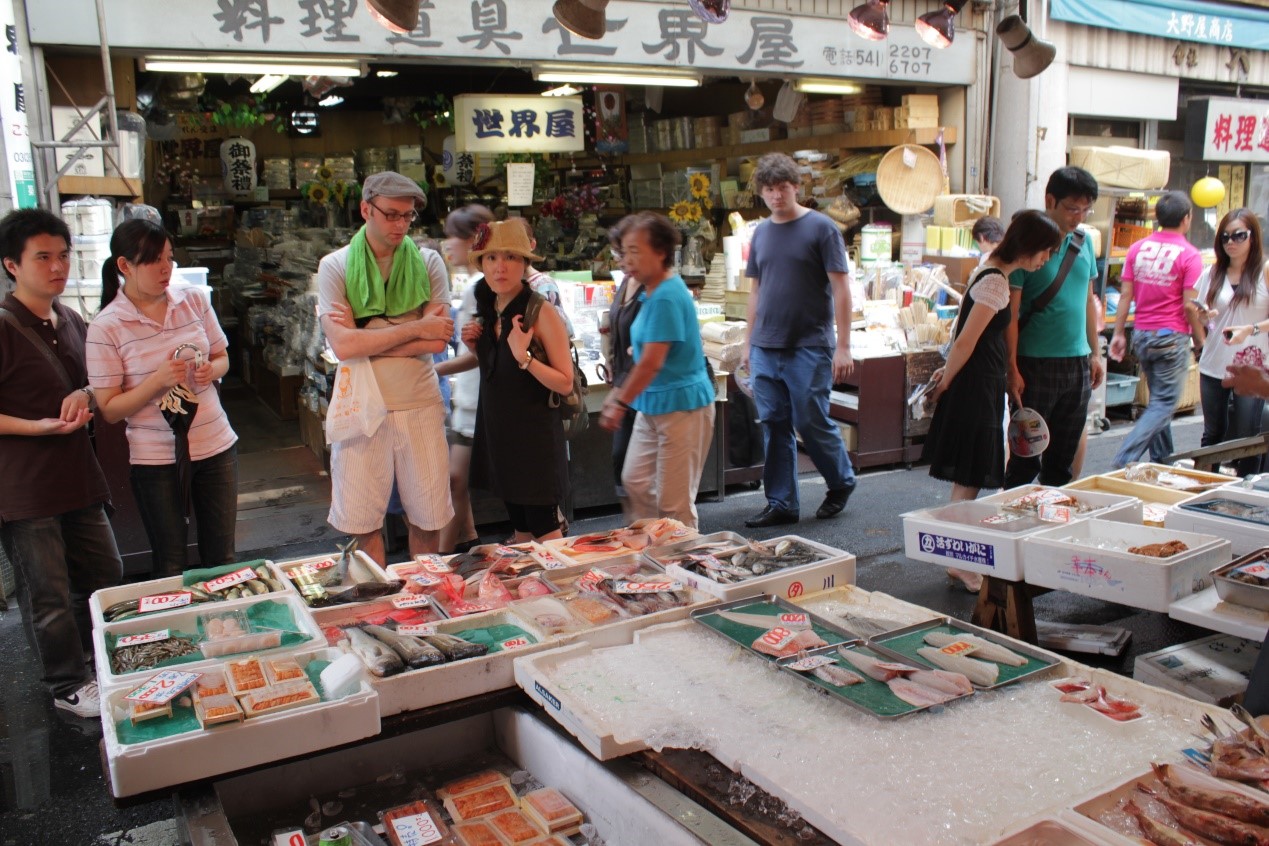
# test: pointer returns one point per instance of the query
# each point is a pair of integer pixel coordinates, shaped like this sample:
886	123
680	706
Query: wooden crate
1189	392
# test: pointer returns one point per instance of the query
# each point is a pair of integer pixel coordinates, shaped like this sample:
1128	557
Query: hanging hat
1028	433
502	236
582	17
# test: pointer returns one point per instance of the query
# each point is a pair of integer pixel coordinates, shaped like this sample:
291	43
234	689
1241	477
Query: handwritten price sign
425	580
960	647
163	688
416	830
1054	513
310	568
433	564
164	601
1259	570
805	665
795	621
665	586
228	580
417	629
777	637
514	643
411	601
590	581
548	560
148	637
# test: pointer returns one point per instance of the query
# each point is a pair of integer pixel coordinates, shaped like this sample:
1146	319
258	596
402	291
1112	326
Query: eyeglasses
396	217
1080	211
1237	236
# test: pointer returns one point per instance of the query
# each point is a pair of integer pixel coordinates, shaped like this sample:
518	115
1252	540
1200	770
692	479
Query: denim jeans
214	499
1228	416
1165	361
59	561
791	389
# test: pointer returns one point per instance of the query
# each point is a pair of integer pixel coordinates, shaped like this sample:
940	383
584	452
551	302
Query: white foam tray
1059	558
157	764
284	567
1243	536
835	570
1208	610
106	597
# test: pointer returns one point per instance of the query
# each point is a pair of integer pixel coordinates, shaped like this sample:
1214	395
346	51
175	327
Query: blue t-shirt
1061	330
791	262
669	316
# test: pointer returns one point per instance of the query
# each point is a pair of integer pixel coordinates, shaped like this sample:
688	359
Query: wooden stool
1005	606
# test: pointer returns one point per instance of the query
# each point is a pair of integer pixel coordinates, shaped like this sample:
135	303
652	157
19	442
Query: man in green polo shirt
1055	357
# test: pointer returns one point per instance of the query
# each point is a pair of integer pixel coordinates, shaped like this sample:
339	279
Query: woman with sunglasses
1237	301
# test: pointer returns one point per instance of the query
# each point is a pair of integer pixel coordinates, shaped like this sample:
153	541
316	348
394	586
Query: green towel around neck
408	287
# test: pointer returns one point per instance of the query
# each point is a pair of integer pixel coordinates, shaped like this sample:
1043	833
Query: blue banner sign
1218	24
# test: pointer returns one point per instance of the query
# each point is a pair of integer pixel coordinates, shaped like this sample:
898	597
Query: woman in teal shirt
669	387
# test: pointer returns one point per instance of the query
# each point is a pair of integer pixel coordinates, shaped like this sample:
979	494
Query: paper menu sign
520	183
163	688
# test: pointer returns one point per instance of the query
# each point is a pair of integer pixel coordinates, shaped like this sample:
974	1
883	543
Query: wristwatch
1255	328
528	359
92	397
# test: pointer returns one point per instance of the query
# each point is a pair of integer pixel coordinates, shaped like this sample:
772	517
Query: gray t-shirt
791	262
404	382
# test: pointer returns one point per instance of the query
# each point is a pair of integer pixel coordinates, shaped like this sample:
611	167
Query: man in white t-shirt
398	323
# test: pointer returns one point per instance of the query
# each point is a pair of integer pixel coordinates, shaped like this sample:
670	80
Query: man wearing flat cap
383	298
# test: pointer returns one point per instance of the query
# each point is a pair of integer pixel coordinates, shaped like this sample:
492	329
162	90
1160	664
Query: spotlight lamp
584	18
870	20
939	28
1031	55
400	16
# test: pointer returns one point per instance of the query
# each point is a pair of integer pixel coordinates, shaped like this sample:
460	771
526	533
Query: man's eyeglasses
1077	211
1237	236
396	217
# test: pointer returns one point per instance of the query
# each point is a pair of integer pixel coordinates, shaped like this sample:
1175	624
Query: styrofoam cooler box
156	764
1213	669
106	597
186	620
284	568
91	163
1110	506
837	569
1156	500
1244	536
1068	558
1052	830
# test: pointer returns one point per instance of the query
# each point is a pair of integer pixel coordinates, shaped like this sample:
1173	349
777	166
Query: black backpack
573	406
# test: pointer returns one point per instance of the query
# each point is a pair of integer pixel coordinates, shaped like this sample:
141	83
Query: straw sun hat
503	236
909	177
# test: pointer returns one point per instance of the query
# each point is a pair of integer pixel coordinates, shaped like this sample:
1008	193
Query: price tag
795	621
228	580
1000	519
506	552
960	647
311	567
805	665
163	688
1050	513
425	579
909	158
1259	570
590	581
164	601
462	607
148	637
514	643
416	830
778	637
411	601
433	564
548	560
663	586
417	629
289	838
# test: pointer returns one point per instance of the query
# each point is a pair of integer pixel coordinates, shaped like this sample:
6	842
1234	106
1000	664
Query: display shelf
1208	610
102	186
841	140
873	400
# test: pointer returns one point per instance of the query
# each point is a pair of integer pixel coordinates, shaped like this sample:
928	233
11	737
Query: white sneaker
85	702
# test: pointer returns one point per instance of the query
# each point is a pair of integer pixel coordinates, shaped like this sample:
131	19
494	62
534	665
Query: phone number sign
959	549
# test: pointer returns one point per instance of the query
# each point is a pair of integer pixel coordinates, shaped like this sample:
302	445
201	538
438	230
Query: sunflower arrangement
689	212
327	189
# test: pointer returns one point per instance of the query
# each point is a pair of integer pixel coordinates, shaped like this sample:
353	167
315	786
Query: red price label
463	607
411	601
777	636
163	688
311	567
1054	513
425	580
416	830
417	629
148	637
960	647
228	580
1258	570
514	643
164	601
289	838
548	560
794	619
647	587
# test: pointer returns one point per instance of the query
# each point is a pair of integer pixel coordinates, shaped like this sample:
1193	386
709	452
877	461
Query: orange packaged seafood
479	803
414	823
475	781
246	675
477	833
515	827
550	808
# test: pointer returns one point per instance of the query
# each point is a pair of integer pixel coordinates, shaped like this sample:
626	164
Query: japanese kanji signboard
1227	130
492	123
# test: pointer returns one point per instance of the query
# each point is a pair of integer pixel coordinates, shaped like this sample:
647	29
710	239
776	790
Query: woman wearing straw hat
518	452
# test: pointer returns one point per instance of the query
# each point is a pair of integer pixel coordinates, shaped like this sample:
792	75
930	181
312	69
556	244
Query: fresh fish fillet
1155	831
944	681
918	694
981	673
983	649
1231	804
764	621
837	676
781	642
1216	827
873	668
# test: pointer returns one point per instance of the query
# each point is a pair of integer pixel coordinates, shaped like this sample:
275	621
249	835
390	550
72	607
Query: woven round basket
909	189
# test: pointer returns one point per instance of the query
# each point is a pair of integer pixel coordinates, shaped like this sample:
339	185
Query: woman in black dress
518	453
966	442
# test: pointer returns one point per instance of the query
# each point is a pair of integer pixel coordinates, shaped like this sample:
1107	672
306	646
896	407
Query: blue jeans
59	561
791	389
1165	361
1228	416
214	500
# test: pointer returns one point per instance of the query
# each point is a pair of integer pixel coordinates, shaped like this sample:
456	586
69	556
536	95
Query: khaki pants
664	463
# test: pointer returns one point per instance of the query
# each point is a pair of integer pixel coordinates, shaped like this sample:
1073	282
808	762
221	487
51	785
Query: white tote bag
356	406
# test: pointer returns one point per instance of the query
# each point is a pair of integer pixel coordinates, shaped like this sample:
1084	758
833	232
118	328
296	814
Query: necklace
499	309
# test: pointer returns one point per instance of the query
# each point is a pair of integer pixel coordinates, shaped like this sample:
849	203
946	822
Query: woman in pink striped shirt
131	369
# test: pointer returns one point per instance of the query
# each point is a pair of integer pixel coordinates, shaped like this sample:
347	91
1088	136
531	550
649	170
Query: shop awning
1183	20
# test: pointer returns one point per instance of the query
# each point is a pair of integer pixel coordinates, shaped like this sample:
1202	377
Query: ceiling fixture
582	17
385	74
870	20
249	66
1031	55
564	90
711	11
613	76
267	83
330	100
939	28
753	96
400	16
827	86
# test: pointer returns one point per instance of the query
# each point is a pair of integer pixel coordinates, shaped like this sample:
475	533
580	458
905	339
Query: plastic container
1120	389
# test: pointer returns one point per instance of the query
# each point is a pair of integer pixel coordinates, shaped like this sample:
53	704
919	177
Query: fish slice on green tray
870	694
746	634
909	643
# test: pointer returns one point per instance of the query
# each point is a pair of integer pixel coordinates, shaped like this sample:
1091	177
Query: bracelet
528	359
92	397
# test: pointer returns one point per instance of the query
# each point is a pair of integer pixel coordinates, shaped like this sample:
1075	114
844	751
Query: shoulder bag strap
38	343
1073	249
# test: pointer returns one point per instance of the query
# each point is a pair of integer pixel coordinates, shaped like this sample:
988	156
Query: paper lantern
1207	192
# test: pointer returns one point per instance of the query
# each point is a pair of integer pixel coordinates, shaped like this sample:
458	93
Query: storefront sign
17	143
1181	20
1227	130
664	35
491	123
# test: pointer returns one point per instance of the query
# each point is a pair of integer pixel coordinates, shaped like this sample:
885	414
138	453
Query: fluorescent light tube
250	67
827	86
596	77
268	82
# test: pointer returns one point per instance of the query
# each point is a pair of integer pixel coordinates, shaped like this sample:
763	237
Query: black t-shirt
791	262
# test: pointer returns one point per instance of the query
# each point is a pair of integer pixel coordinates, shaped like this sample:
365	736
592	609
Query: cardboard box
1212	669
757	136
924	104
1073	558
91	163
1124	167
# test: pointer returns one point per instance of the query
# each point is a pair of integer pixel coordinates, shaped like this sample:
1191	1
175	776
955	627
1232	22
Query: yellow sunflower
318	195
706	203
325	174
700	185
682	211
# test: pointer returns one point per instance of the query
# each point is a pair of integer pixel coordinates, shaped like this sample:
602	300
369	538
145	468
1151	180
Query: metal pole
107	72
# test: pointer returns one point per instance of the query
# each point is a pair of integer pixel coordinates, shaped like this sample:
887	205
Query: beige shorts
409	446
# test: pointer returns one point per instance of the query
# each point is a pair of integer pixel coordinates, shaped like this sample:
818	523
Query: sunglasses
1237	236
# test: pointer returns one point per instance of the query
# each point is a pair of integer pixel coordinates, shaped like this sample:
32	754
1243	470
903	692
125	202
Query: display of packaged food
139	712
210	684
551	809
475	781
279	698
220	708
414	824
480	802
245	675
231	632
477	833
284	669
515	827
